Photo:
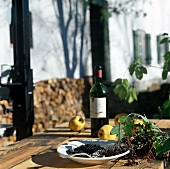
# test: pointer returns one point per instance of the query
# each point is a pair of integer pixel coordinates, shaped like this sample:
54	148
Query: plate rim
89	159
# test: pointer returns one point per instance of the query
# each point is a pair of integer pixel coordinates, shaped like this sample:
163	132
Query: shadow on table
52	159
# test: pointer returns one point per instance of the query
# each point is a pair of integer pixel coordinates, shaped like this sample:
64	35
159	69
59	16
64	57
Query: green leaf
121	134
166	68
126	83
165	34
128	131
137	67
138	73
167	56
143	69
145	119
117	82
158	147
122	119
123	92
164	40
166	64
129	123
132	68
130	98
115	129
117	89
134	95
166	104
164	74
157	131
163	148
127	96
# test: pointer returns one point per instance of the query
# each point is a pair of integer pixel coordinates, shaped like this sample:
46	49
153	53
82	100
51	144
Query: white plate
62	151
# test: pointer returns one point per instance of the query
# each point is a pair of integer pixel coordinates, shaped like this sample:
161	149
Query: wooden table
39	151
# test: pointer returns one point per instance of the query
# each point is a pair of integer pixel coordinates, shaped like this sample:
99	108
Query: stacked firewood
55	101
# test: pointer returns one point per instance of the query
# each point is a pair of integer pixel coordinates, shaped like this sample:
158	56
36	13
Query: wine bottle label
98	107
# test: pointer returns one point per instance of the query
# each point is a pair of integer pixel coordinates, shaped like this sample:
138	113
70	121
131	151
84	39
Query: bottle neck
98	80
98	76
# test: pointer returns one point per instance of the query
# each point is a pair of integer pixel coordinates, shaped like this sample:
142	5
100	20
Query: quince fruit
118	116
77	123
104	133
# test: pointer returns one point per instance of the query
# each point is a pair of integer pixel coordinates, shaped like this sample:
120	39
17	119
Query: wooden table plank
50	159
26	148
56	162
162	123
38	151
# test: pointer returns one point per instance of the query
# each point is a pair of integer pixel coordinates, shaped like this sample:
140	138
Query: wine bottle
98	103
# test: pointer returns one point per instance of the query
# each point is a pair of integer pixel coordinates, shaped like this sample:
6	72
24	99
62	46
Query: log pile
55	101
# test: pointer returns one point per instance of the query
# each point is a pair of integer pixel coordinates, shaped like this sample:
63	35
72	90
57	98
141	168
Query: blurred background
69	37
61	43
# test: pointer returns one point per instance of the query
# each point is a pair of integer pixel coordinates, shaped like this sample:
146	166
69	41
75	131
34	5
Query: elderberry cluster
99	151
144	138
126	141
115	150
87	148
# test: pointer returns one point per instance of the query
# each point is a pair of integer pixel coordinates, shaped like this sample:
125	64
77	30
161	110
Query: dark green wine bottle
98	103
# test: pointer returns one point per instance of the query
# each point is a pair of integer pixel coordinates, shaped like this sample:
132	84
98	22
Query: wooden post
100	39
22	78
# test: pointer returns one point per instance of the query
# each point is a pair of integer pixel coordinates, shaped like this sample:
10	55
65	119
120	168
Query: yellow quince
104	133
76	123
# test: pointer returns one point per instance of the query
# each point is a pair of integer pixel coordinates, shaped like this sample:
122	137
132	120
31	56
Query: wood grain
39	151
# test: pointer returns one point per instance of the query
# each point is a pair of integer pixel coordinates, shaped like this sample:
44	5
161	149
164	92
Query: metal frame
21	87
